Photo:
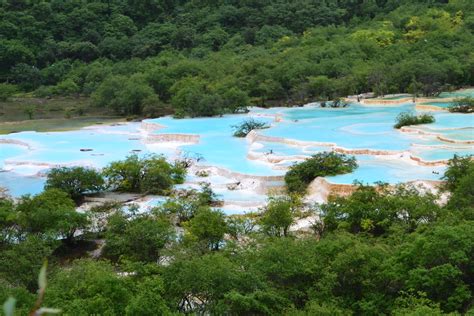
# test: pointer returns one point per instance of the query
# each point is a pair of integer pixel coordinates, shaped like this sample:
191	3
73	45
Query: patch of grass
25	107
40	114
55	125
406	119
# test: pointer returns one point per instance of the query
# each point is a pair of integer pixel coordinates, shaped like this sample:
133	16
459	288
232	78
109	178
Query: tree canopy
199	59
383	249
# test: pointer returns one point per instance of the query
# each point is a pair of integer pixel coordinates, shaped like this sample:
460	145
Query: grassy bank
40	114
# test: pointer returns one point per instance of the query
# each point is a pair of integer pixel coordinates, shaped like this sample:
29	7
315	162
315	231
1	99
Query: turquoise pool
312	128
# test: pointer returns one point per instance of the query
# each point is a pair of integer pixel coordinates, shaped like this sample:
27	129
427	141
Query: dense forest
384	250
202	58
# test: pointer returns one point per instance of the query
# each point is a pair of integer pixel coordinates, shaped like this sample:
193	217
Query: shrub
138	238
151	174
322	164
184	205
44	92
76	181
463	105
278	216
51	213
459	182
30	111
6	91
406	118
247	126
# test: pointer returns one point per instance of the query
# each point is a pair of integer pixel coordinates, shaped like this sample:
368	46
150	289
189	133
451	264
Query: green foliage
198	284
207	228
139	238
6	91
463	105
278	216
389	250
381	210
247	126
76	181
50	213
89	287
21	263
125	95
30	111
458	168
150	174
319	165
439	263
149	299
406	119
9	307
208	59
458	179
184	205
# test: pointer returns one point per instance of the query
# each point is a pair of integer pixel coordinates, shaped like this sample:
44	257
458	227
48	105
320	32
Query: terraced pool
384	153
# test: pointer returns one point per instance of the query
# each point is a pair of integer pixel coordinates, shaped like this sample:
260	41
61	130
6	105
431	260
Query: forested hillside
201	58
381	251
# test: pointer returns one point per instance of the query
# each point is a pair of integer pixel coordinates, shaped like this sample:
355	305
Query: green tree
407	119
139	238
148	299
320	87
125	95
380	210
20	262
6	91
151	174
438	262
50	213
89	287
458	181
278	216
207	227
197	284
76	181
245	127
319	165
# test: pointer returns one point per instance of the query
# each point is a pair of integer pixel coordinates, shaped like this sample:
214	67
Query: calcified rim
146	127
431	132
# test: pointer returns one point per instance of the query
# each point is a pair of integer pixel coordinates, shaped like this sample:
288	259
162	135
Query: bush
322	164
150	175
406	118
463	105
278	216
51	213
76	181
381	210
139	238
247	126
44	92
6	91
459	182
184	205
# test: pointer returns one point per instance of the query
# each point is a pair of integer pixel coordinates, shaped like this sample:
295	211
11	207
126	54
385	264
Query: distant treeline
210	57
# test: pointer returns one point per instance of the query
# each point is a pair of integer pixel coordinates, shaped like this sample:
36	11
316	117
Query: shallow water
354	127
443	105
458	94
